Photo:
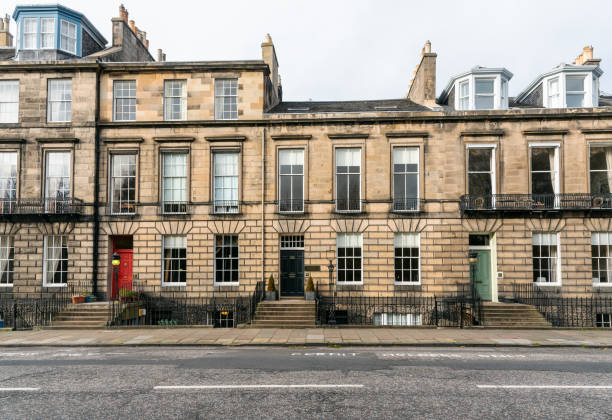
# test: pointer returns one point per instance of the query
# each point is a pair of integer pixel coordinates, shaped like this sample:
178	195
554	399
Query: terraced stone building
205	181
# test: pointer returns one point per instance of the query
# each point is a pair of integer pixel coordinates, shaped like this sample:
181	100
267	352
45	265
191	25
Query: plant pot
1	324
78	299
90	299
309	295
271	295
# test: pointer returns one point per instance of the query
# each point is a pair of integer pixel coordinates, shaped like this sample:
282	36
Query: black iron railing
291	205
22	313
344	205
536	202
135	307
174	207
457	310
584	312
29	206
406	204
226	206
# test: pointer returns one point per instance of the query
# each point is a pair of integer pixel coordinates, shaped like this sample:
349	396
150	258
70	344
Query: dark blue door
292	273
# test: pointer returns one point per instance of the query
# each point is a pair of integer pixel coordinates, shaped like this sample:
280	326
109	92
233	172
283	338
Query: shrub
310	284
271	287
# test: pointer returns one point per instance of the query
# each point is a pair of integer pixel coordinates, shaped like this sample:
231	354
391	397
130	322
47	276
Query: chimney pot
2	26
123	13
160	55
133	26
428	46
147	43
268	39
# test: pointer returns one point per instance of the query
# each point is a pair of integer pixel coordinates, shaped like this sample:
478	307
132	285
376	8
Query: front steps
512	315
285	313
82	316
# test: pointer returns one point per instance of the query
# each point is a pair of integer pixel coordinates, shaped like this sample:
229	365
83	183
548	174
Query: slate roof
605	100
384	105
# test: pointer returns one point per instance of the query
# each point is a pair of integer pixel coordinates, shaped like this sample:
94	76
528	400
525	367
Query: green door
482	276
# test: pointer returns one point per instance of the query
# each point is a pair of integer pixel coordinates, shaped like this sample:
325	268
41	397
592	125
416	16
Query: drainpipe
96	215
263	203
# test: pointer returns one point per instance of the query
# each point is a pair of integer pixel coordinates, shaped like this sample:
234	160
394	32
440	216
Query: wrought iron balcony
406	204
345	205
226	207
26	207
291	206
535	202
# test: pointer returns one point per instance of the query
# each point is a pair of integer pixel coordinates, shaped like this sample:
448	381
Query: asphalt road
287	383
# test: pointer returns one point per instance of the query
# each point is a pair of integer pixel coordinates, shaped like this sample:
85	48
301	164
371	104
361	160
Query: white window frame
46	259
119	94
30	34
228	283
8	203
52	200
418	173
558	258
461	98
183	203
165	240
576	92
360	235
51	34
280	176
493	148
590	93
591	170
606	320
360	179
111	178
596	280
7	244
557	147
493	94
68	108
6	102
229	208
395	246
220	96
182	98
71	42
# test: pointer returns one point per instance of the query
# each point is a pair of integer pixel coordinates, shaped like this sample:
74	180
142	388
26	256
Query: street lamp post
331	319
115	263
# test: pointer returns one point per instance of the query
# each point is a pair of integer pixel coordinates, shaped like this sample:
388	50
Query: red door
124	280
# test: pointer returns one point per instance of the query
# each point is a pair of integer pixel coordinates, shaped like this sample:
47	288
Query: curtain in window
54	254
609	166
553	170
4	258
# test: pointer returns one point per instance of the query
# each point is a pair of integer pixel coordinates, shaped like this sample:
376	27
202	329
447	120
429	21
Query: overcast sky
358	49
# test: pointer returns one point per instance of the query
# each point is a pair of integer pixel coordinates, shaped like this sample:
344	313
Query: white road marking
545	386
21	389
264	386
324	354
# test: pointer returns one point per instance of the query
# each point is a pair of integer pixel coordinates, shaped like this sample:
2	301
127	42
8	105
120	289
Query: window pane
575	100
541	158
480	184
484	86
479	159
575	84
484	102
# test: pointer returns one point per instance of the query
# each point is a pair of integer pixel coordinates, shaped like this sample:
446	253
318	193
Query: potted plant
310	289
79	298
271	289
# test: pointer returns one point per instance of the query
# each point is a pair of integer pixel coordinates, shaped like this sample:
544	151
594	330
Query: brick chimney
268	54
123	13
6	39
586	58
423	84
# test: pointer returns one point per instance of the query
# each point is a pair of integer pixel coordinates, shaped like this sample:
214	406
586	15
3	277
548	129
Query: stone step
77	327
78	323
288	311
286	306
286	318
65	317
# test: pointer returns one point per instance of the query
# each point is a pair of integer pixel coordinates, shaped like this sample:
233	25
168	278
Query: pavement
207	382
309	337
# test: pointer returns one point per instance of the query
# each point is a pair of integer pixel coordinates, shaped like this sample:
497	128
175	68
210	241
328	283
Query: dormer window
68	37
47	33
574	91
30	33
479	89
554	97
485	93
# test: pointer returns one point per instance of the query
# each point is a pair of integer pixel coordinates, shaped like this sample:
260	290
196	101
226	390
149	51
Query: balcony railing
406	204
226	206
291	206
536	202
174	207
41	206
345	205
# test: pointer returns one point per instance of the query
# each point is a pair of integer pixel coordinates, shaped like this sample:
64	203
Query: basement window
603	321
391	319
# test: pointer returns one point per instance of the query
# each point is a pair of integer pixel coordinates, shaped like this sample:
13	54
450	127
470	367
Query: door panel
125	269
482	275
292	273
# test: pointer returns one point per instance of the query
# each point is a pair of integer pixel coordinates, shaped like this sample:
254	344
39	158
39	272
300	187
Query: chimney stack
423	84
586	58
6	39
160	55
123	13
268	54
